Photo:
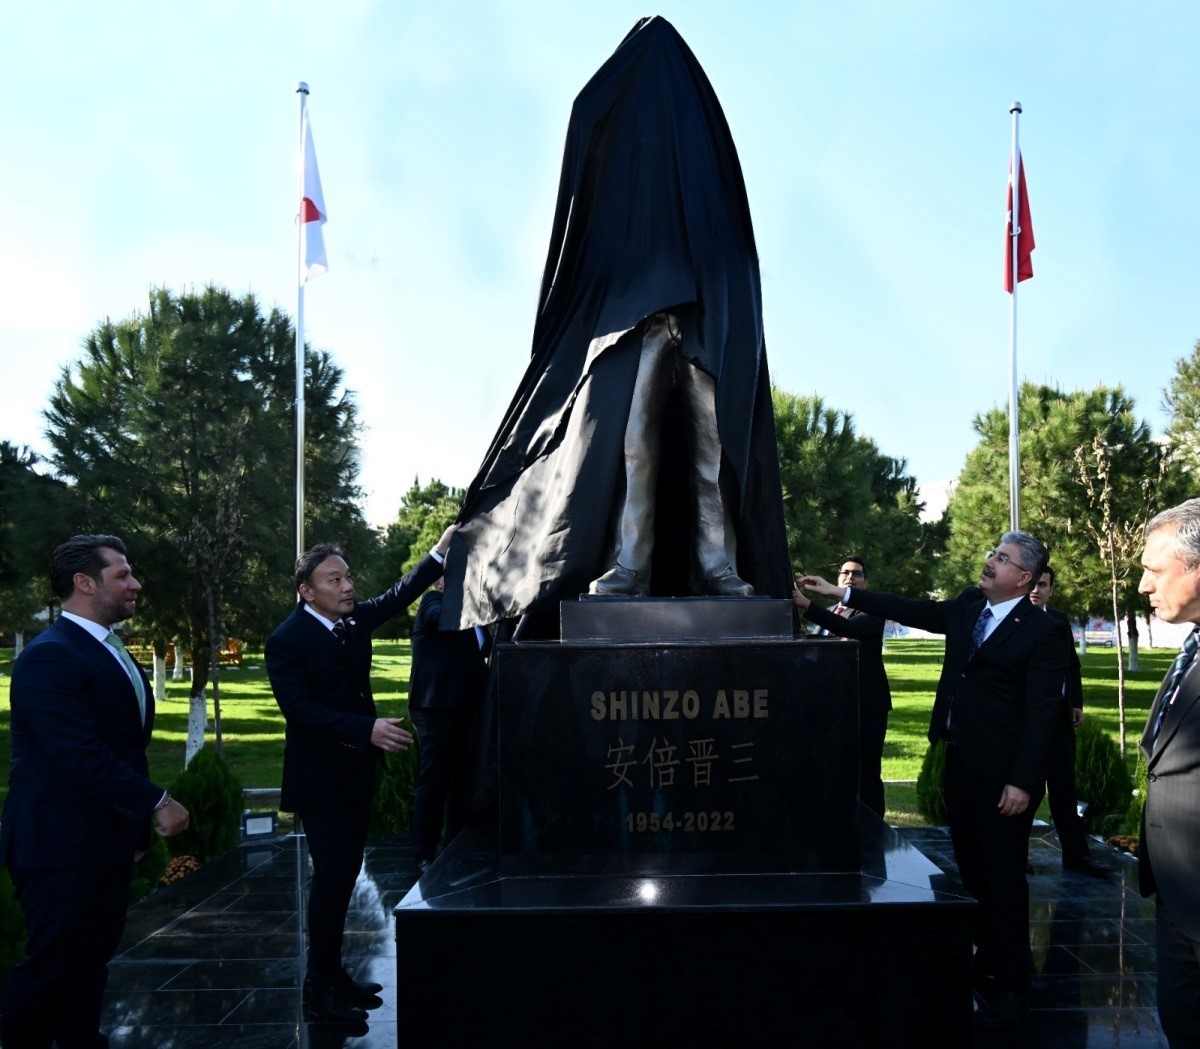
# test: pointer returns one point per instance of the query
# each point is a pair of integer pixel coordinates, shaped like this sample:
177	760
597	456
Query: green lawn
913	668
253	726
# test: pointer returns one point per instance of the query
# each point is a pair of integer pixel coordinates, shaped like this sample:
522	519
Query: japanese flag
312	211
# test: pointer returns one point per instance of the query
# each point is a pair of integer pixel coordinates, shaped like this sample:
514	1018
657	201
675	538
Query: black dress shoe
1004	1011
620	581
726	583
1088	866
323	1004
355	991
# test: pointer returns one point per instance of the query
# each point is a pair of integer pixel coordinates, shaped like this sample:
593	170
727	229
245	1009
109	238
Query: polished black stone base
680	857
875	957
671	757
217	959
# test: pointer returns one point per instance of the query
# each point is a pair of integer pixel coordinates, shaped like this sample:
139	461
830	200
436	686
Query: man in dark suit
1169	851
1060	759
319	664
874	693
445	692
80	802
998	695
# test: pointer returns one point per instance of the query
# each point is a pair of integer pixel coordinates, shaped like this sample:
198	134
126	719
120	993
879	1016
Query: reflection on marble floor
217	959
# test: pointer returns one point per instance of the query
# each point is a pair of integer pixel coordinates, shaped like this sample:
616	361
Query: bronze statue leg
716	545
716	541
630	571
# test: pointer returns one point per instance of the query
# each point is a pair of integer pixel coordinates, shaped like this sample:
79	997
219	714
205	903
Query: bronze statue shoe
620	581
726	583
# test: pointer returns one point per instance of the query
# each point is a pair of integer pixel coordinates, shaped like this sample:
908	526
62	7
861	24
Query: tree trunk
197	720
214	655
1112	564
1134	663
160	677
177	672
197	703
18	643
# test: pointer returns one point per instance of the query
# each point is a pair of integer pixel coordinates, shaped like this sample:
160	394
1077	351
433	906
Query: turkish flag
312	211
1025	242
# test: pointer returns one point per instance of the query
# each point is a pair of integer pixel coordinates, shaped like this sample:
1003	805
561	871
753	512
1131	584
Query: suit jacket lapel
109	670
1009	625
148	723
1189	693
972	616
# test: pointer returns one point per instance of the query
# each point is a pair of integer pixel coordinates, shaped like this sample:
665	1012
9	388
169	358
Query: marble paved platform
217	959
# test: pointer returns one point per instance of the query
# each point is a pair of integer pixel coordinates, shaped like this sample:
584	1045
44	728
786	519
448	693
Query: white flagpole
1014	451
302	91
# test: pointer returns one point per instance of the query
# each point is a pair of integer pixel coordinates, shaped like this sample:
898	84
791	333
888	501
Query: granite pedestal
680	857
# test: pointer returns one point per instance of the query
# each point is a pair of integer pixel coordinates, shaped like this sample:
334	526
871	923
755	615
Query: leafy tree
1182	399
177	428
1118	541
36	513
841	495
425	513
1054	502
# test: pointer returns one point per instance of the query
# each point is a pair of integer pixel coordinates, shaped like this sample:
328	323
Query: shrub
213	796
931	798
1133	818
148	869
12	924
1101	779
392	811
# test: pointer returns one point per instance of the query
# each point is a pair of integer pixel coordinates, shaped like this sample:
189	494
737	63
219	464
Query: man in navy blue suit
319	664
80	802
999	693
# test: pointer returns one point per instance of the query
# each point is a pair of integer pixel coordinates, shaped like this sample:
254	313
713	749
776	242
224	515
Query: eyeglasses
1004	559
855	572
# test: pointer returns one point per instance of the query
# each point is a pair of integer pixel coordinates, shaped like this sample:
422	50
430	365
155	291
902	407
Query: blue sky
154	145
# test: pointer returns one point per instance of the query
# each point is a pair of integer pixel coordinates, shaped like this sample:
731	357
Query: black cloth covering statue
651	221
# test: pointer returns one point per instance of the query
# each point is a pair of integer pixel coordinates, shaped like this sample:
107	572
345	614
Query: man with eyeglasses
1060	758
874	693
999	693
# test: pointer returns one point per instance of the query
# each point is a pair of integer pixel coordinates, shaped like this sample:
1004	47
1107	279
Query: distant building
936	498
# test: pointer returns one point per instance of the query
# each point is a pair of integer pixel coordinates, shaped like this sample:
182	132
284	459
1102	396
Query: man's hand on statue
798	598
443	545
819	586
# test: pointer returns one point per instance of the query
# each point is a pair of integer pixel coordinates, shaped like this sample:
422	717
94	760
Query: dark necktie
1174	680
339	631
976	640
980	629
